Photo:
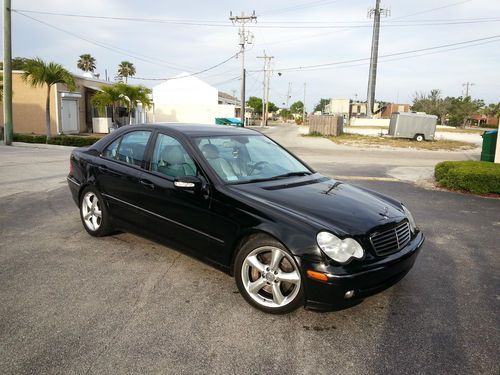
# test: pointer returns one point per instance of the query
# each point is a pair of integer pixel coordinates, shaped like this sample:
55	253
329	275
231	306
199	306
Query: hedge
479	177
65	140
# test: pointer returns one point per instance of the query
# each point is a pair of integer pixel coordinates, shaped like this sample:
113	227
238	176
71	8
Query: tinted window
171	159
112	150
131	148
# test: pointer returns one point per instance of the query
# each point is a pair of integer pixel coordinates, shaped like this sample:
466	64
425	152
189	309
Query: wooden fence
326	125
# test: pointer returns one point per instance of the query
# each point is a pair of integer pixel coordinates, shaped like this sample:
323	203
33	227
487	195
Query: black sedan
239	201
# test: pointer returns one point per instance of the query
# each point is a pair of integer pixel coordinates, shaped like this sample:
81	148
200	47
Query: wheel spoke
254	262
291	277
254	287
277	255
88	202
88	215
278	297
97	213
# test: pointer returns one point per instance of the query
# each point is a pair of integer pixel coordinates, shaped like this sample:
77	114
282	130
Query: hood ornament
384	214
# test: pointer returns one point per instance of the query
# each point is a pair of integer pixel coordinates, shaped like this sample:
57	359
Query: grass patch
480	177
64	140
350	139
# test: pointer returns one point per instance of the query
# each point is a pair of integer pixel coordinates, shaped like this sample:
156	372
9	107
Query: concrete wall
369	121
28	107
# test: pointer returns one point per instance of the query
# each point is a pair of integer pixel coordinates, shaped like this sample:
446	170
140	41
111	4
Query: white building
188	99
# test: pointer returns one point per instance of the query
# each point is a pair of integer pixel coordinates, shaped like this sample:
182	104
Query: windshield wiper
278	177
291	174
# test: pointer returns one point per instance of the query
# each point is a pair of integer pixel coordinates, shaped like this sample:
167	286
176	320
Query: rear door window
130	148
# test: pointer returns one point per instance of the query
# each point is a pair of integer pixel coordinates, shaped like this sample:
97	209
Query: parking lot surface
73	304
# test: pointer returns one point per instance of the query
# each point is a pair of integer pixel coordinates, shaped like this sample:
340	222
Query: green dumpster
489	145
228	121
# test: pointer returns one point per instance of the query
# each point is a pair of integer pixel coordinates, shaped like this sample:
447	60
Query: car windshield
243	159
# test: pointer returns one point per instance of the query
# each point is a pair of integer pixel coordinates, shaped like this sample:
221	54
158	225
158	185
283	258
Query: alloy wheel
270	277
91	211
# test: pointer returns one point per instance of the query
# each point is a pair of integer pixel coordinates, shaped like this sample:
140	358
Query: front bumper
372	279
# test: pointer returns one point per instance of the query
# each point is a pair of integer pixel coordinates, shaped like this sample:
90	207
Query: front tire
268	277
419	138
94	213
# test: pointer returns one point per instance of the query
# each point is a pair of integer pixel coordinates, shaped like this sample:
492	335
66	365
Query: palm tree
134	95
86	63
39	73
126	69
121	94
109	96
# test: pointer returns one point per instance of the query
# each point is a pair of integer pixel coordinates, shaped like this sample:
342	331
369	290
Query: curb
42	146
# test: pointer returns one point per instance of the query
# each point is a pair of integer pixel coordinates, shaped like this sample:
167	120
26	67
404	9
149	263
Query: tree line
454	111
296	108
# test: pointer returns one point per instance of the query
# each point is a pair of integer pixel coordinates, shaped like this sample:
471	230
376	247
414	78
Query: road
73	304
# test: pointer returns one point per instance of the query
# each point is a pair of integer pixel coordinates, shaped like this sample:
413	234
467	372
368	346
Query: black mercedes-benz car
239	201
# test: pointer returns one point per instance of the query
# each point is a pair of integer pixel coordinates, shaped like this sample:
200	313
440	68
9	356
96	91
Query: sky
165	38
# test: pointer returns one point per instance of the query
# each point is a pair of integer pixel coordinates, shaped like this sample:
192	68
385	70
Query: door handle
147	183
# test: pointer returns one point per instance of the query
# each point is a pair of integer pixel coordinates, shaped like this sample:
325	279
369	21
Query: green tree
38	73
273	107
462	108
17	63
134	95
492	110
285	114
126	69
256	104
297	107
432	103
321	105
121	94
86	63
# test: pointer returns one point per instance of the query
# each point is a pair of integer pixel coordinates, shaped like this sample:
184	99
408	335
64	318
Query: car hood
329	203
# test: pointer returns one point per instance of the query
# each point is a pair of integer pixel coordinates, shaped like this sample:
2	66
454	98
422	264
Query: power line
187	75
271	25
122	51
395	59
119	50
389	55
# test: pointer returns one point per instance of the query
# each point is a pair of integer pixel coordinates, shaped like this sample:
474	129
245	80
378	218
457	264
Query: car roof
199	130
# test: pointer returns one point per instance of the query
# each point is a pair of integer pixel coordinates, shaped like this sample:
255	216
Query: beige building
70	112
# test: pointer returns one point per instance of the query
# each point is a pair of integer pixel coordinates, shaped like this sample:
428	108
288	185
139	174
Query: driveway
73	304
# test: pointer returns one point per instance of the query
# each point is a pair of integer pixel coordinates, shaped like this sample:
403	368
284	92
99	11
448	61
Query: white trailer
418	126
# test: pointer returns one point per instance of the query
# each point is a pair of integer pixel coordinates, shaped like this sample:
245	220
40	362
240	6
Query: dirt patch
375	141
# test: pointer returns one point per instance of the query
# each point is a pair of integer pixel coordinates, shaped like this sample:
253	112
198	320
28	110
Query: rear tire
268	277
94	213
419	138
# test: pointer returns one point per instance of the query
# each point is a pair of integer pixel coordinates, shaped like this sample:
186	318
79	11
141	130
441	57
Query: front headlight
411	220
339	250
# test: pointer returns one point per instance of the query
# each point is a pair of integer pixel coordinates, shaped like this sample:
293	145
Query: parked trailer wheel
419	138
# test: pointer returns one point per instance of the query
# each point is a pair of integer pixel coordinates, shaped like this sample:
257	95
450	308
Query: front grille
391	240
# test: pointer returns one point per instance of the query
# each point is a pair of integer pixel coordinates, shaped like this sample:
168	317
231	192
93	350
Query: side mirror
189	183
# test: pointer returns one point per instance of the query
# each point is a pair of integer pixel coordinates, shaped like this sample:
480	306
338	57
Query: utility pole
289	93
304	106
467	85
7	74
265	96
372	77
245	38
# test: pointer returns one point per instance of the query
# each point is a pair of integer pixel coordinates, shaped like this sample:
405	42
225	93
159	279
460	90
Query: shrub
479	177
65	140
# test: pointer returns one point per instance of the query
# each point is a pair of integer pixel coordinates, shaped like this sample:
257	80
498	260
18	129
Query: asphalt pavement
74	304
